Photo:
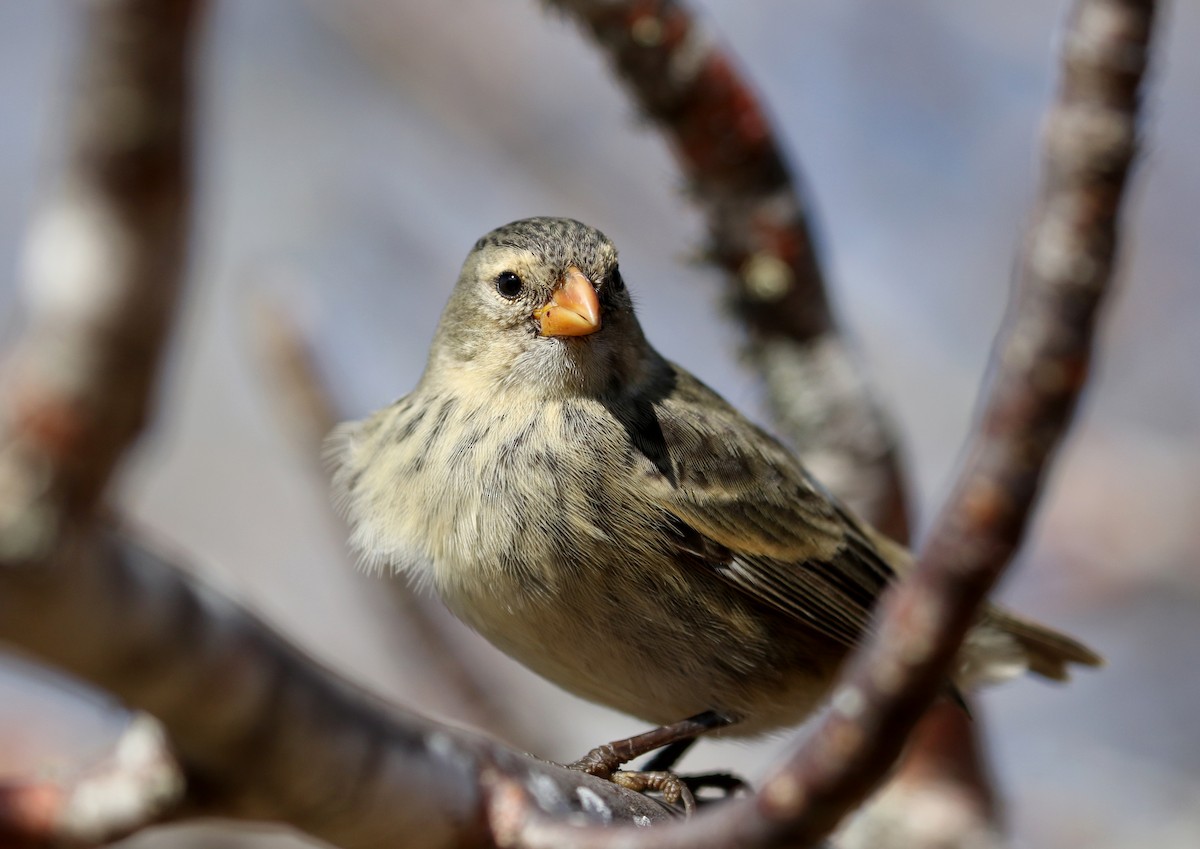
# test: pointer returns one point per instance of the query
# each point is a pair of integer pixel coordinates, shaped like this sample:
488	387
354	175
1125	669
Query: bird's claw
673	788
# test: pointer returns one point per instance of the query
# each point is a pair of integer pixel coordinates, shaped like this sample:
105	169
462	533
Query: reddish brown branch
759	236
724	142
1040	362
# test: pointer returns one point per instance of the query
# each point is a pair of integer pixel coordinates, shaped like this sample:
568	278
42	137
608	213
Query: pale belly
662	649
576	581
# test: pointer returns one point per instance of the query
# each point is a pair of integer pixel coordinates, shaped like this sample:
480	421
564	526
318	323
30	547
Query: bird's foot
673	788
671	741
601	762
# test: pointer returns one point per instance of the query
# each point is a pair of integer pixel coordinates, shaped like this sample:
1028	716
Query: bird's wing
744	506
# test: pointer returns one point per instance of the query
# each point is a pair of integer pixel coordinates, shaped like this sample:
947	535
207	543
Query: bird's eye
616	280
509	284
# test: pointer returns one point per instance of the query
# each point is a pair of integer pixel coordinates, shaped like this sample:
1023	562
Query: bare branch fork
258	731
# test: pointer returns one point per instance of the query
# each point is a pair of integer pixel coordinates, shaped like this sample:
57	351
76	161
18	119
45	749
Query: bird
608	520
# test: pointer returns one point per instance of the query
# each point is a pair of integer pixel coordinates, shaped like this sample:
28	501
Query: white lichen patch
592	804
77	257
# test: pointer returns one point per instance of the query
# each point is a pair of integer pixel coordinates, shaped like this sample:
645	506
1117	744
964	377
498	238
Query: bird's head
541	304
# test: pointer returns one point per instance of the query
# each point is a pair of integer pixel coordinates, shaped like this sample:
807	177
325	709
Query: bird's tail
1001	645
1047	652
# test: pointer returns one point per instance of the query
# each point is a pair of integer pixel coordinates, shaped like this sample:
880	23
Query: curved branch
262	732
1040	362
759	236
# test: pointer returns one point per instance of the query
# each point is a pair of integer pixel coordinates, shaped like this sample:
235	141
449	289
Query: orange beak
573	310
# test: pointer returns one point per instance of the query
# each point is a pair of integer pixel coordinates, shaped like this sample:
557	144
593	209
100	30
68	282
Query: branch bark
262	732
759	235
105	260
104	270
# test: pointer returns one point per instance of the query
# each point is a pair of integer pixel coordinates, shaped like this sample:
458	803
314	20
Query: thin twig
759	236
1040	363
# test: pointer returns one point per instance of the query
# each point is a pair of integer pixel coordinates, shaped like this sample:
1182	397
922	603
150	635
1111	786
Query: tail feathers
1001	646
1047	653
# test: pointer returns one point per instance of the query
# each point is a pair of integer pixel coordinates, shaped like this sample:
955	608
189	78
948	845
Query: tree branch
1040	362
759	236
104	266
104	259
261	731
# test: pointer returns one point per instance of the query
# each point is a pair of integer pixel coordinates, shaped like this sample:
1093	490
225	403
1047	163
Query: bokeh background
350	153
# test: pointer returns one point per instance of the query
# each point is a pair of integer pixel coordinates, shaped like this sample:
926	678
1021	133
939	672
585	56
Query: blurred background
350	154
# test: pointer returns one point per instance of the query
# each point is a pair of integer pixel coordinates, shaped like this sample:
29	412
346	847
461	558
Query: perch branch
759	236
263	733
1040	363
